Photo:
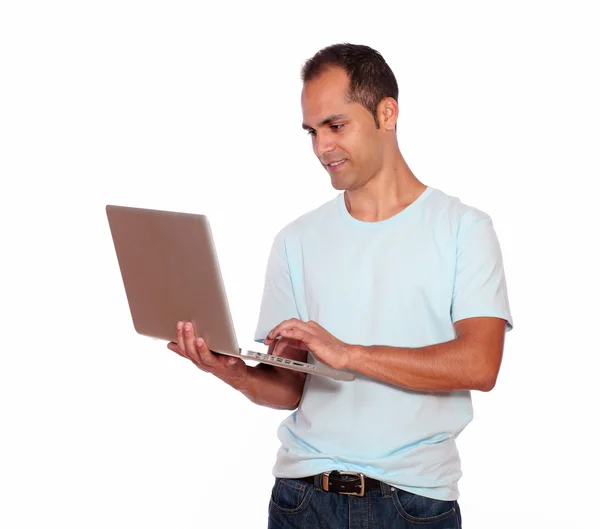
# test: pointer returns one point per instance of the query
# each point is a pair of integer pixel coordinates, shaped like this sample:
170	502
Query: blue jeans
295	504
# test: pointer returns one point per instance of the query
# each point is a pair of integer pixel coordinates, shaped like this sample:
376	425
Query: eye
311	132
337	127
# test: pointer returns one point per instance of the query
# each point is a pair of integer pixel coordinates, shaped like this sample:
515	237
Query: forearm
272	387
455	365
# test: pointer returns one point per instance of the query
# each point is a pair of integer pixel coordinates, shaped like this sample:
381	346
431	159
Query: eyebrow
326	121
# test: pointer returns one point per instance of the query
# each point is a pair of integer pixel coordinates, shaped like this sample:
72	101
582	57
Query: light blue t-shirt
399	282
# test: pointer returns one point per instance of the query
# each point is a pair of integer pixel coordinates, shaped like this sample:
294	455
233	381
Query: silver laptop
171	273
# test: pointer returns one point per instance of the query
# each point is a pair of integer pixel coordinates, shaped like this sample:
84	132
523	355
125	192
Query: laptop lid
170	272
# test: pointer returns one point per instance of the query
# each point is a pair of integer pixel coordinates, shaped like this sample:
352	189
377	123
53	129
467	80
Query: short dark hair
371	79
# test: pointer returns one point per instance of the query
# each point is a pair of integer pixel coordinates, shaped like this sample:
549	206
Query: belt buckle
356	474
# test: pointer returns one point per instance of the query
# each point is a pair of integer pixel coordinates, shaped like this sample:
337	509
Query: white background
181	106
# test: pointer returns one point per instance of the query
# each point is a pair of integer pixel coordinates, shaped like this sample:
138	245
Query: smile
336	164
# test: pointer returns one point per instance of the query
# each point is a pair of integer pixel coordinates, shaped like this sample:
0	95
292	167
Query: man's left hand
314	338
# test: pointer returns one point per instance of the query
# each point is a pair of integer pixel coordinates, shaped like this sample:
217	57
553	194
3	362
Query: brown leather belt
351	483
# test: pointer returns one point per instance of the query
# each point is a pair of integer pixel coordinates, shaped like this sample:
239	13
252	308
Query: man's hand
230	369
312	337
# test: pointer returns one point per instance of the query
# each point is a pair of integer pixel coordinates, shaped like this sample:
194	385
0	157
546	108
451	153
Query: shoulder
456	215
309	222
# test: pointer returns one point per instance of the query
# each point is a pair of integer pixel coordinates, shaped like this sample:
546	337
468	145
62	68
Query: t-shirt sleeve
479	283
278	302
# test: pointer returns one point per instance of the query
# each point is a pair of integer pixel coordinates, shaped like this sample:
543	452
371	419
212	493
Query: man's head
349	106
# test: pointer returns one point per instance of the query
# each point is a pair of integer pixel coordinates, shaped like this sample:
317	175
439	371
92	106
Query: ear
387	112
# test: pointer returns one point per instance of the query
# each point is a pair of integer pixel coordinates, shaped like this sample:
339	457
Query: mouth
334	166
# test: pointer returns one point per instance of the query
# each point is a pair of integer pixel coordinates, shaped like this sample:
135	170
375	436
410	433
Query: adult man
393	280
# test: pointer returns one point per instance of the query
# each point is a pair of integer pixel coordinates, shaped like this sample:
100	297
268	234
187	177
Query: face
344	135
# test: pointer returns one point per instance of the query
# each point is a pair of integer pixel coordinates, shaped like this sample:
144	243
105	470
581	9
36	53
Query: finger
179	334
300	335
287	324
292	344
173	347
189	342
280	345
204	356
276	348
269	339
275	330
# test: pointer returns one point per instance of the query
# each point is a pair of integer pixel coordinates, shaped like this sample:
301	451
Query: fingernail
232	361
188	326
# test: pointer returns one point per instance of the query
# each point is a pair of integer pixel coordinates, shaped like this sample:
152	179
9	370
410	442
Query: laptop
171	273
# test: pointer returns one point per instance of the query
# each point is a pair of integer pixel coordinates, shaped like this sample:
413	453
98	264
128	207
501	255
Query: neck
386	193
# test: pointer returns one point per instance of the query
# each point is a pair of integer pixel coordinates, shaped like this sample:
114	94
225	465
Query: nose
322	144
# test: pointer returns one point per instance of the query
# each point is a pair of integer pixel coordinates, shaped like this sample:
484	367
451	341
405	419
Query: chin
341	184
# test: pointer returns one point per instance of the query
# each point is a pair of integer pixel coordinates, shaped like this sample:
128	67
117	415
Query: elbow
487	380
288	400
485	375
487	385
290	405
294	406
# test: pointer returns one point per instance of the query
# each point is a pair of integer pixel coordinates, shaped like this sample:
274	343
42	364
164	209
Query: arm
479	311
471	361
273	386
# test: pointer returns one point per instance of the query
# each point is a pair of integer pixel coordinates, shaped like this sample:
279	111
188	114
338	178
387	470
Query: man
393	280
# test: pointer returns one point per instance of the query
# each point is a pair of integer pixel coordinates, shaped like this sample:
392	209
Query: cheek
362	156
351	146
371	153
358	146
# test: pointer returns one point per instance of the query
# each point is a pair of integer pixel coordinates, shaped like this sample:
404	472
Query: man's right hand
264	384
230	369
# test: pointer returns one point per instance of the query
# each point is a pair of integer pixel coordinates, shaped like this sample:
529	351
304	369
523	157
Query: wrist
242	380
353	355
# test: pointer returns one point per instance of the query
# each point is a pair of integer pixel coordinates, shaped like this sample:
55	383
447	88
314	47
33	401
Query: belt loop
385	490
318	484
